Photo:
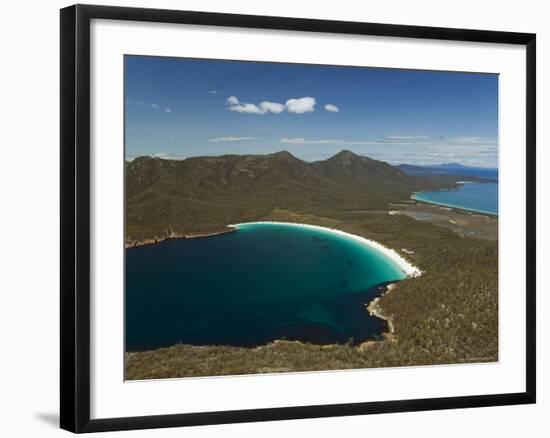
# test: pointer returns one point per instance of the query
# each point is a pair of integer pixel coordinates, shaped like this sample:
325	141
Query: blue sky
177	108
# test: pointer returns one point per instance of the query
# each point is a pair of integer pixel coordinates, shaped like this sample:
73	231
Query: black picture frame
75	217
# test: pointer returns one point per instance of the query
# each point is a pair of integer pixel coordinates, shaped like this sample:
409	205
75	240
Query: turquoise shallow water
479	197
249	287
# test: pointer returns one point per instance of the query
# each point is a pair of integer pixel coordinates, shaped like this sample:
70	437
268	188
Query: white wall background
29	205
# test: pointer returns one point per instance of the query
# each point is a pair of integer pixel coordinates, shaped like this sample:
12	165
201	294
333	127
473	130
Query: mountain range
205	194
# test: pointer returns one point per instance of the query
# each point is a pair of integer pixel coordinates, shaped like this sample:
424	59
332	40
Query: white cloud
299	140
331	108
220	139
272	107
165	156
470	140
246	108
152	105
297	106
442	141
406	137
251	108
401	140
213	92
301	105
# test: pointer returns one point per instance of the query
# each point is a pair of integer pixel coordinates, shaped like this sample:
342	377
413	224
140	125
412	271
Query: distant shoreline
454	207
175	236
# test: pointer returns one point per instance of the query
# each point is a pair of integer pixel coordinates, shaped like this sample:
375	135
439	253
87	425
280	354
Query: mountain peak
346	157
283	154
346	153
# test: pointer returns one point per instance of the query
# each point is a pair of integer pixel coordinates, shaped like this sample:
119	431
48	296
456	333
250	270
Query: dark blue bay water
260	283
478	197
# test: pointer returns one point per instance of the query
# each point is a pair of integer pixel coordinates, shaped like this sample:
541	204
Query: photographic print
286	217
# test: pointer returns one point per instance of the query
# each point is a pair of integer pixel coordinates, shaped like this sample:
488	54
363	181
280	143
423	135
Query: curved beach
478	197
408	268
415	197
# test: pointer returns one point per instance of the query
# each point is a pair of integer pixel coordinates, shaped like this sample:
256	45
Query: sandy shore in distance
455	207
406	266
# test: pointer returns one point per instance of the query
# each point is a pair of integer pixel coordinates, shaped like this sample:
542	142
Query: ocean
260	283
472	196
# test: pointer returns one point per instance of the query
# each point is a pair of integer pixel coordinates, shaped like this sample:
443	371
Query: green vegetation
447	315
205	194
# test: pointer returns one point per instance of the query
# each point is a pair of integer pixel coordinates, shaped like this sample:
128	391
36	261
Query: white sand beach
409	269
